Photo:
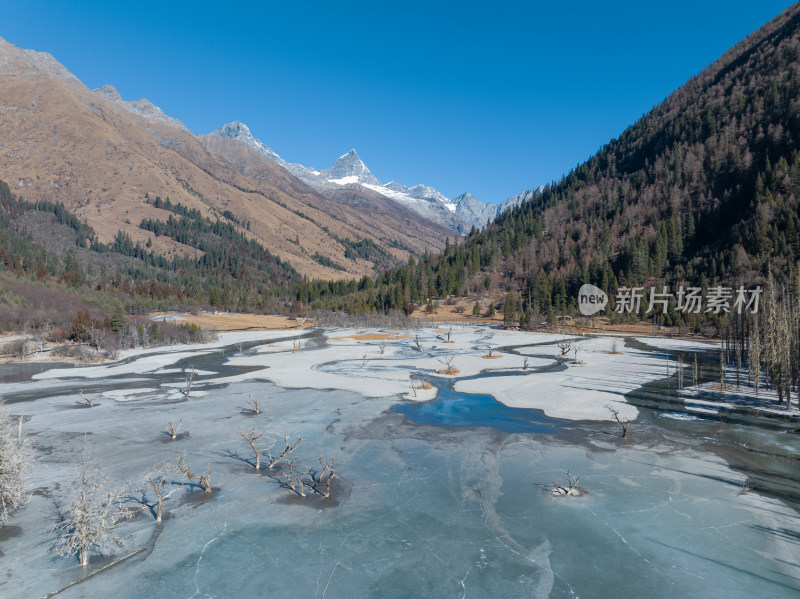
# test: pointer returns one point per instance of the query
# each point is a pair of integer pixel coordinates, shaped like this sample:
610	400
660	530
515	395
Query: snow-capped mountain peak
349	168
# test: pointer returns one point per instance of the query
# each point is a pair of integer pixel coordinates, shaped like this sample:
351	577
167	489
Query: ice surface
418	510
680	345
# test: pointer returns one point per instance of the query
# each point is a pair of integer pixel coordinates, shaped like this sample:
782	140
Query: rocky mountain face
519	198
349	168
349	177
143	107
101	156
474	211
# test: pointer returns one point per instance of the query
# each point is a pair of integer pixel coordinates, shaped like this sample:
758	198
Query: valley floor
442	480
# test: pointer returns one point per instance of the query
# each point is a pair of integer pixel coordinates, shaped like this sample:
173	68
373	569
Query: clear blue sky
486	97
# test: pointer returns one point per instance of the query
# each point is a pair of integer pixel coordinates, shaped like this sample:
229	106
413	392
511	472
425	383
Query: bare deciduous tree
159	478
449	332
204	479
565	346
289	476
382	347
252	437
447	361
326	467
295	479
253	403
623	422
86	399
287	450
489	350
189	375
90	515
16	459
300	483
570	488
173	429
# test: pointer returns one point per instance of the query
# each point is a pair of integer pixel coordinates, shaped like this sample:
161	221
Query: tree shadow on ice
340	492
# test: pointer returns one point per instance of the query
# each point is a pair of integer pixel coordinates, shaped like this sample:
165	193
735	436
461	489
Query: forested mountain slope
53	264
702	189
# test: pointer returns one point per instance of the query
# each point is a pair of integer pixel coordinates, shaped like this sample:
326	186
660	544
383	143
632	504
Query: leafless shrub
253	403
91	513
295	479
19	348
525	364
189	376
252	437
382	347
565	346
575	351
76	351
416	342
417	382
173	429
364	361
296	347
569	488
204	479
447	361
326	467
287	450
623	422
158	479
16	460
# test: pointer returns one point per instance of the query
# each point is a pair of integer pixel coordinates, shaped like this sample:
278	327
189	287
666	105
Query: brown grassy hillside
61	141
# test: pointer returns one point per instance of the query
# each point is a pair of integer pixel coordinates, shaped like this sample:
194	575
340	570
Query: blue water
451	408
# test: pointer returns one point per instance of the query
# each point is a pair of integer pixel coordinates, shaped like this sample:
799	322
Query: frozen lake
439	492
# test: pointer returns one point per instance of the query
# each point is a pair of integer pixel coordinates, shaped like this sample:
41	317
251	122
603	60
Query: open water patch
453	408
